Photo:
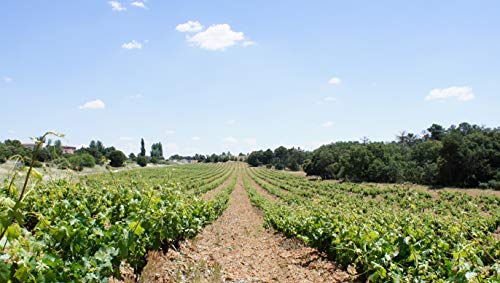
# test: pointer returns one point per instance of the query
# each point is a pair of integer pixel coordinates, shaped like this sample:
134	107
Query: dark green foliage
142	161
157	151
117	158
281	158
143	148
10	148
463	156
154	160
37	164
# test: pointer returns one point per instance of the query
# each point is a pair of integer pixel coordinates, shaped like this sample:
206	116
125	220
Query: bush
117	158
62	163
87	160
142	161
76	162
154	160
37	164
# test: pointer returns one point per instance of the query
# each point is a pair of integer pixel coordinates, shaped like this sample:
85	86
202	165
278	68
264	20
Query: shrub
37	164
76	162
87	160
62	163
117	158
142	161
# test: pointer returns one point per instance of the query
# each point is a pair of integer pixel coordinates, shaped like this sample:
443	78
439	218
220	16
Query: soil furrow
236	248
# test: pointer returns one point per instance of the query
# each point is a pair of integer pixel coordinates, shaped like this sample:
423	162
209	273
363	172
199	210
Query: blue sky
208	76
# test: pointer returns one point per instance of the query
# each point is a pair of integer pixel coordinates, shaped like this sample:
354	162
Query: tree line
463	156
52	154
280	158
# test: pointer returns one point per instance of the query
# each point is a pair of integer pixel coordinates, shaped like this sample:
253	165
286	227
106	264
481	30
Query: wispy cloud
334	81
117	6
139	4
463	93
327	124
132	45
7	79
94	104
190	26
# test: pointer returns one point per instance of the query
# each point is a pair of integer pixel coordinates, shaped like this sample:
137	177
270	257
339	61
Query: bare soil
236	248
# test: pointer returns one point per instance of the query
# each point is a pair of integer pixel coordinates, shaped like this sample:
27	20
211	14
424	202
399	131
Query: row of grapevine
386	234
85	231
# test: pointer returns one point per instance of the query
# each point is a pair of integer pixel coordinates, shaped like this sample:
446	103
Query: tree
436	132
143	148
132	156
117	158
58	147
157	151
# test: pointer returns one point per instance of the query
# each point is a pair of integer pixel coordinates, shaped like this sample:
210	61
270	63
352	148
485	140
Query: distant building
68	149
29	145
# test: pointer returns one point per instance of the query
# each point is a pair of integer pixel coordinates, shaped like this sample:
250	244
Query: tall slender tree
143	148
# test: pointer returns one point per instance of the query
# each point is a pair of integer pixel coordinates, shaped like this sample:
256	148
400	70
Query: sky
213	76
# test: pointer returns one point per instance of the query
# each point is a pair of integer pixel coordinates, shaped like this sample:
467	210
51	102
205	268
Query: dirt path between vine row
236	248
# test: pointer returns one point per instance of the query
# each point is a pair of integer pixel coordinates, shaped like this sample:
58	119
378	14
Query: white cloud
216	37
334	81
327	124
247	43
127	139
94	104
169	132
329	99
138	4
196	138
132	45
463	93
190	26
117	6
7	79
231	140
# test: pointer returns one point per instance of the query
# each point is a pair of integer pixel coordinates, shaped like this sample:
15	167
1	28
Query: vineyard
85	231
102	225
386	234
